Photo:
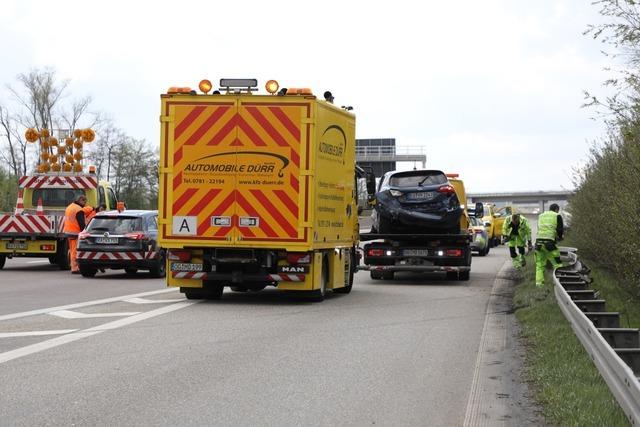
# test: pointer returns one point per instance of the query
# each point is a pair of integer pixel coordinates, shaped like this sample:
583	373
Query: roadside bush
606	206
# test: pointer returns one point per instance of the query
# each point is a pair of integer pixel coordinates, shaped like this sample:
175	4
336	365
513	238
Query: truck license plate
185	266
415	252
107	240
17	245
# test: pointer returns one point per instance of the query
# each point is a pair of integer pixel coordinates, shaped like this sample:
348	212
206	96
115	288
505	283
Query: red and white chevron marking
27	223
117	256
189	275
46	181
286	277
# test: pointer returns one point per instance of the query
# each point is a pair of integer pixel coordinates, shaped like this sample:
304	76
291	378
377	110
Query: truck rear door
234	166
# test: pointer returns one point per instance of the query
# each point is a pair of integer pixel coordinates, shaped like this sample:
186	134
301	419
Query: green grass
566	383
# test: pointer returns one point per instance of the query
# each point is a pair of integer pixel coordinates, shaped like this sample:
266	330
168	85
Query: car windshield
115	225
414	179
55	197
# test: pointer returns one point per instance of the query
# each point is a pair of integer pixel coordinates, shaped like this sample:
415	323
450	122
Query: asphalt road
76	351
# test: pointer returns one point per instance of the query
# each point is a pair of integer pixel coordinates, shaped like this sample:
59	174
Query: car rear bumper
118	259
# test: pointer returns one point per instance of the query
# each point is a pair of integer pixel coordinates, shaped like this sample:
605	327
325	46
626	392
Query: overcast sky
489	89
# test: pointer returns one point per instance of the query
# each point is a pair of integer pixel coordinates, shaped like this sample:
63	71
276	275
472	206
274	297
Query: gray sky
490	89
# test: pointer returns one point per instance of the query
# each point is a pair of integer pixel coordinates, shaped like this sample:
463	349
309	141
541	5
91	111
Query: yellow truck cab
257	190
35	228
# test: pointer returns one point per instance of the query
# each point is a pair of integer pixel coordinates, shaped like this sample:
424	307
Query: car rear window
115	225
413	179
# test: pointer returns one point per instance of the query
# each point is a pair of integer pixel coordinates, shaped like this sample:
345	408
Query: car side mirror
479	210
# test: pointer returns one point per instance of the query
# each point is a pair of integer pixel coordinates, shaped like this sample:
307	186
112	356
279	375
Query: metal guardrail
619	376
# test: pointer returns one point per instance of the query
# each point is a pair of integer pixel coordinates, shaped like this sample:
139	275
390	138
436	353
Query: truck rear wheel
3	259
319	294
348	274
213	290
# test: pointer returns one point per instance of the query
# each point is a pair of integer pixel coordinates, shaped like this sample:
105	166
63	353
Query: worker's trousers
546	250
517	258
73	253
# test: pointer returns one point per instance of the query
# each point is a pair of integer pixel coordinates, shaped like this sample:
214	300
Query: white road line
38	261
152	301
35	333
67	314
75	336
83	304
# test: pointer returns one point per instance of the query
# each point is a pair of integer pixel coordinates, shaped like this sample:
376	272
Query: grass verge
565	381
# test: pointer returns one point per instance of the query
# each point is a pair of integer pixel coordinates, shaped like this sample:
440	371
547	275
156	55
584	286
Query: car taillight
299	258
182	256
447	189
134	236
83	235
453	252
376	252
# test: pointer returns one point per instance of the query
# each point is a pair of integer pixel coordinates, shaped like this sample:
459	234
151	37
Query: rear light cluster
134	236
447	189
453	252
177	255
380	252
299	257
47	247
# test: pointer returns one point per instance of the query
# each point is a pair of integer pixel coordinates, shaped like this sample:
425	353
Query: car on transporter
124	240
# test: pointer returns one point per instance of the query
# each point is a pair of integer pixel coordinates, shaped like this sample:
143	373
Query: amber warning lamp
272	86
205	86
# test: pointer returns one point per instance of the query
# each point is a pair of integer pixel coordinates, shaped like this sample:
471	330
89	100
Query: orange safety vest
70	222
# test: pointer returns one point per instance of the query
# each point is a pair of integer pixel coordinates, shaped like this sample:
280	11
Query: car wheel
239	289
3	260
160	269
130	271
88	271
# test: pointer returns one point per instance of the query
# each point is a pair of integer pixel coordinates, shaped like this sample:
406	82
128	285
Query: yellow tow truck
257	190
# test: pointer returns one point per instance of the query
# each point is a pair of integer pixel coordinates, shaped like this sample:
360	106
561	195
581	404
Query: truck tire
88	271
62	255
192	293
464	275
388	275
319	294
3	259
452	275
352	269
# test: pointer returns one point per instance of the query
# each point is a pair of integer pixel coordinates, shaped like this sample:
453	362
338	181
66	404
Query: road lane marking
67	314
152	301
38	261
35	333
75	336
83	304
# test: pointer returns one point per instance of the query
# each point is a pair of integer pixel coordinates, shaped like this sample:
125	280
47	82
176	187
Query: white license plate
18	245
415	252
107	240
185	266
425	195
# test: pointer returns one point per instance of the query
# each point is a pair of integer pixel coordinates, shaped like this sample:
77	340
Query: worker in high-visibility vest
74	223
550	230
517	231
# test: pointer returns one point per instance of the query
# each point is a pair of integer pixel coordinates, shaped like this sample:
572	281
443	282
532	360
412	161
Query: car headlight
396	193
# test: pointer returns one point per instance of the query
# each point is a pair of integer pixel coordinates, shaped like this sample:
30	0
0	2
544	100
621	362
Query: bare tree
15	144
